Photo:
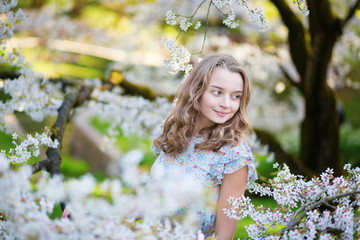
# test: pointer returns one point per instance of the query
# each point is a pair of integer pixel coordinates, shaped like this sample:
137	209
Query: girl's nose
225	102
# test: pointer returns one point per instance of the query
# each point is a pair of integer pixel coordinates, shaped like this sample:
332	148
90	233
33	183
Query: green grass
71	167
5	141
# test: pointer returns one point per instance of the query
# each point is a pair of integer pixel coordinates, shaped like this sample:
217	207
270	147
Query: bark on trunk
320	134
320	128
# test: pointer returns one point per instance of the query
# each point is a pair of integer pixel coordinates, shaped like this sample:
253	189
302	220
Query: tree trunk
320	132
320	128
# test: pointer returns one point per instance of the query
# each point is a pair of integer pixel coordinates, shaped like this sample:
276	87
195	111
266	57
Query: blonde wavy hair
179	125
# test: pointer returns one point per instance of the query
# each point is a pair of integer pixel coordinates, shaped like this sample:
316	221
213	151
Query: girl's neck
199	125
195	134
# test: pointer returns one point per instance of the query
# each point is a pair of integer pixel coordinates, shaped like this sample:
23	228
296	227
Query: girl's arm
233	184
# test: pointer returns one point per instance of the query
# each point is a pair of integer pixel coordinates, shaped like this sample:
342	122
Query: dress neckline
196	139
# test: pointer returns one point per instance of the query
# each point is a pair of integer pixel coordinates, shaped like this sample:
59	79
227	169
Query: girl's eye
237	96
216	92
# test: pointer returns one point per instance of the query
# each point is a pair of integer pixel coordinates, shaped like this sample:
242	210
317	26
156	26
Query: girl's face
221	99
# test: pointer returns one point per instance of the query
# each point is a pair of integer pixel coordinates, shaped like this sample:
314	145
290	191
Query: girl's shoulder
241	150
237	157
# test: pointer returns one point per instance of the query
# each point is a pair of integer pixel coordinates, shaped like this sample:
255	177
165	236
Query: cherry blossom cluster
256	15
324	207
113	209
31	94
28	146
28	93
171	19
7	24
179	57
131	114
9	17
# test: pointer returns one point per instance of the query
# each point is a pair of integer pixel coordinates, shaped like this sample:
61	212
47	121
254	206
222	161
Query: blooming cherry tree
325	207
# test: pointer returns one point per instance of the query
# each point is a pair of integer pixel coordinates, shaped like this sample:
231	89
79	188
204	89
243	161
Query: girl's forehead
224	79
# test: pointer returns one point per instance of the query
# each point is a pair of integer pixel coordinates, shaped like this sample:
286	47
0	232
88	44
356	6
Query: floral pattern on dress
208	168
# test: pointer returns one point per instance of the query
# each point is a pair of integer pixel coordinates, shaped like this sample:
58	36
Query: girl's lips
221	114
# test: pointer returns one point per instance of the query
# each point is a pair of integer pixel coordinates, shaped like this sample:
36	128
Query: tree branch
206	28
351	13
7	74
42	165
130	88
296	37
313	205
71	101
146	92
280	155
298	85
321	15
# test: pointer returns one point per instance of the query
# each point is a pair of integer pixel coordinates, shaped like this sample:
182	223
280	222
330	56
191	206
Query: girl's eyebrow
214	86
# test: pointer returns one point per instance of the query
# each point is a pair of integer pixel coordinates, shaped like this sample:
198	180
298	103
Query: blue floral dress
208	168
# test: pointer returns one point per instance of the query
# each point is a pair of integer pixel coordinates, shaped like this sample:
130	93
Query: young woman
205	136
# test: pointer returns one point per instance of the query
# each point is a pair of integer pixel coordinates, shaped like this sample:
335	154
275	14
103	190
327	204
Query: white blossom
28	147
184	24
179	57
223	3
197	25
230	21
134	114
258	16
326	236
170	18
